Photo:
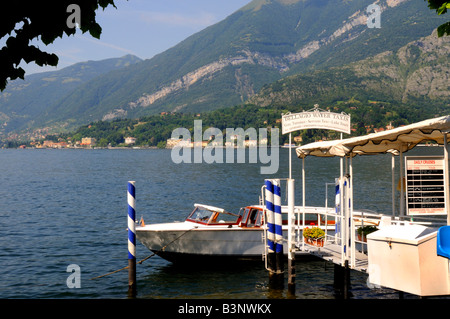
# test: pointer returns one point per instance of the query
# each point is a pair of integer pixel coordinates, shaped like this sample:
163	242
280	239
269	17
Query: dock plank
332	252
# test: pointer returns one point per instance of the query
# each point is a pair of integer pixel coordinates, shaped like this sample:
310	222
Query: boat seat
443	241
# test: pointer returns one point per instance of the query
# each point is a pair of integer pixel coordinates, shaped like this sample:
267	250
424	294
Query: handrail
264	234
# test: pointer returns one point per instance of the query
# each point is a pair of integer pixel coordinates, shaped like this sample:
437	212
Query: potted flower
363	231
314	236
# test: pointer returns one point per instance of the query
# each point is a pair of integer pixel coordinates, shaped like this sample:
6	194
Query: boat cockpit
251	217
248	217
209	215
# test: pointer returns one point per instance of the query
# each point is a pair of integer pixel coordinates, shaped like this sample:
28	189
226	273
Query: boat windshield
212	216
251	217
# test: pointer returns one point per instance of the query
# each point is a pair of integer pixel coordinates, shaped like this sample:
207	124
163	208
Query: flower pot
363	231
318	242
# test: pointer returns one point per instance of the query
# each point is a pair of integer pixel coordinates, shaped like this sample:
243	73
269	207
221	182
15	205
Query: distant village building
250	143
130	140
172	142
263	141
215	143
298	139
51	144
380	129
200	144
47	144
88	141
389	126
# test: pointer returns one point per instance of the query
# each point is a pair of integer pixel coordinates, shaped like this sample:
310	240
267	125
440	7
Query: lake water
64	207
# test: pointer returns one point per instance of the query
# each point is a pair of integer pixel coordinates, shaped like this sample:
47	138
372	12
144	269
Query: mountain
417	74
229	62
24	100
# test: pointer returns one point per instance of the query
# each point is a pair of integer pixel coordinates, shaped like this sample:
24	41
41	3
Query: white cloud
105	44
201	19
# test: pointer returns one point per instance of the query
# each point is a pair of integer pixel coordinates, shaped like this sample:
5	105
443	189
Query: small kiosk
403	255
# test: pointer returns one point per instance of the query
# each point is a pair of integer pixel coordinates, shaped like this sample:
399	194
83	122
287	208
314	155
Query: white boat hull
207	234
186	240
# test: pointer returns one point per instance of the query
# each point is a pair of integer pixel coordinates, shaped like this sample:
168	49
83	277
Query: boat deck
332	252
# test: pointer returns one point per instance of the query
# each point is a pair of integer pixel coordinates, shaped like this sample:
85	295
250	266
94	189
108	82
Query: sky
140	27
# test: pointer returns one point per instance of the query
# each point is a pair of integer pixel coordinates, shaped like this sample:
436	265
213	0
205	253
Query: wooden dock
332	252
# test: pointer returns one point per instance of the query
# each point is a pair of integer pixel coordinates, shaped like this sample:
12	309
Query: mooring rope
141	261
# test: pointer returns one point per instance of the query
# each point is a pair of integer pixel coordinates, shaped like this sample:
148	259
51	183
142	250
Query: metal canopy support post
290	156
446	190
342	271
346	225
341	161
393	183
352	221
446	178
402	187
291	235
342	219
303	200
347	219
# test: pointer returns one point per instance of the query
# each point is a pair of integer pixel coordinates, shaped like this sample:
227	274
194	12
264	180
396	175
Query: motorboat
215	234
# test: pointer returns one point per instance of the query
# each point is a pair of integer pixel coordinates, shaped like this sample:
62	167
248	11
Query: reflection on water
62	207
314	280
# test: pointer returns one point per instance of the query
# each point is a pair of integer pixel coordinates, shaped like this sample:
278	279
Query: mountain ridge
417	73
25	99
169	93
231	61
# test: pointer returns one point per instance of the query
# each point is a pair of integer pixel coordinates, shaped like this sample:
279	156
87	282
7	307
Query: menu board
425	185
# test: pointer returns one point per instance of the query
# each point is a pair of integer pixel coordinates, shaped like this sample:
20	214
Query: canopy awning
211	208
391	141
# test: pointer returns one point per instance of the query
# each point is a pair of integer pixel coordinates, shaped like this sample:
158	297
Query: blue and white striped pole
131	220
278	219
131	197
274	226
270	225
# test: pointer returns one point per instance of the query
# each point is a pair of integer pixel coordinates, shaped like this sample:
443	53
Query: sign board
425	185
315	119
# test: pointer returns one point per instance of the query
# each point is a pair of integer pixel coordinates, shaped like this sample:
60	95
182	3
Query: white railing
347	221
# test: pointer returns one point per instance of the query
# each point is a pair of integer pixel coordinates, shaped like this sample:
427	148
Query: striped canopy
391	141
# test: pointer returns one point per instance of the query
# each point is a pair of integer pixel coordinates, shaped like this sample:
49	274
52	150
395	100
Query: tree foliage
155	130
441	7
25	21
